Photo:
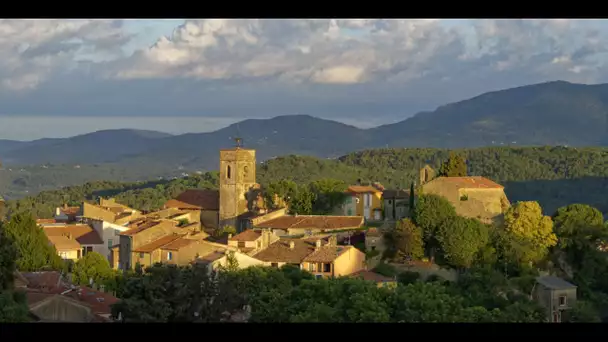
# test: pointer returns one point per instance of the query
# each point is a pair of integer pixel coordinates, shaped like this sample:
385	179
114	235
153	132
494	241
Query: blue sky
199	75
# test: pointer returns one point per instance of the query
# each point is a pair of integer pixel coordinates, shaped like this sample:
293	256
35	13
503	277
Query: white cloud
217	66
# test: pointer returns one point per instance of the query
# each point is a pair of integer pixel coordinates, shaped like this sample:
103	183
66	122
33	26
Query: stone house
364	200
51	298
396	204
474	197
141	240
312	255
74	241
289	225
201	202
374	240
251	241
110	211
556	295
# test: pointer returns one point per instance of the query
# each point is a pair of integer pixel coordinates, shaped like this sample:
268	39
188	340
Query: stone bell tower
237	178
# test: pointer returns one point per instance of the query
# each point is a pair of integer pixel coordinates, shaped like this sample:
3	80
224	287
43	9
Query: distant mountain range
554	113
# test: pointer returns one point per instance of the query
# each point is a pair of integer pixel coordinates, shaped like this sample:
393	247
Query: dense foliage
191	294
13	304
35	252
553	176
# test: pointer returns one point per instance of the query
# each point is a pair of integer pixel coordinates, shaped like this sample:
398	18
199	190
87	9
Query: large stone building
237	179
473	196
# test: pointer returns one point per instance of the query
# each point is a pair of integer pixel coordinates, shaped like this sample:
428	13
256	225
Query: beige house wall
349	262
270	216
71	254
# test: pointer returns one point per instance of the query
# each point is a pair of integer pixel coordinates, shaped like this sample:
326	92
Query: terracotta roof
209	258
139	225
313	222
178	244
46	221
156	244
38	280
280	251
196	199
99	302
473	182
247	235
63	243
392	194
83	233
70	210
360	189
327	253
371	276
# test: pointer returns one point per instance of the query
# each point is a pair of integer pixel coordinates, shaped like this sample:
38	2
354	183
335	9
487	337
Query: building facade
237	179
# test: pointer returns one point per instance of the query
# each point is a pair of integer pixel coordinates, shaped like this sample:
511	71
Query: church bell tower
237	178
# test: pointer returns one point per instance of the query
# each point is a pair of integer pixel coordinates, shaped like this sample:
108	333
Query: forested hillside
554	176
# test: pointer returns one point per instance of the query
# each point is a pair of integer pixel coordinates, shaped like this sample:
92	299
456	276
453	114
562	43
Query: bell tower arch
237	178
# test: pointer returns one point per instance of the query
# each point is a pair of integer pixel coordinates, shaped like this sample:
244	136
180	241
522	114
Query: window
169	255
275	265
110	243
390	202
326	268
259	244
141	255
89	249
228	171
311	267
350	212
241	244
562	300
373	248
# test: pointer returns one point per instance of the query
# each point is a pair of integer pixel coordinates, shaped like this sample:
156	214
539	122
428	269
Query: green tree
461	239
408	239
13	307
301	201
577	223
329	193
412	202
584	312
455	166
34	249
232	264
92	266
525	222
8	257
429	214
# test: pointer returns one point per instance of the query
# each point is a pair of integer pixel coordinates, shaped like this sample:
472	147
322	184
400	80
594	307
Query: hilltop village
234	227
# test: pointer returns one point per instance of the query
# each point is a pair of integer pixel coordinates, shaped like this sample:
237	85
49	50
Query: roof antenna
238	140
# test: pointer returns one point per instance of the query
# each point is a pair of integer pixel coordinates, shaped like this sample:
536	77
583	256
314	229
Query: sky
64	77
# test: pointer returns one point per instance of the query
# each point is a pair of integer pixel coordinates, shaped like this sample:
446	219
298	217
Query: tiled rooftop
313	222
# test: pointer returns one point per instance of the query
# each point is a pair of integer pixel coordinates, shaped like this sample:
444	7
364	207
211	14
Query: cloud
328	67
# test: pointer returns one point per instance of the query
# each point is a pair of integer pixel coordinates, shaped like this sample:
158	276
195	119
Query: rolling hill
554	113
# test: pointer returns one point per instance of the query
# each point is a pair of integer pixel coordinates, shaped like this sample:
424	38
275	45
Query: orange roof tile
156	244
63	243
473	182
99	302
70	210
313	222
360	189
326	253
201	199
247	235
83	233
39	280
139	225
280	251
209	258
178	244
46	221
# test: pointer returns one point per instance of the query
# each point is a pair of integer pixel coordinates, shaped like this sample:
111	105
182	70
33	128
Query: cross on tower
239	142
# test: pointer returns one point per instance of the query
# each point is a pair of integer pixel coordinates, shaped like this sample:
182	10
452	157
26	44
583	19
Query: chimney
229	236
318	244
292	245
333	241
65	205
57	211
